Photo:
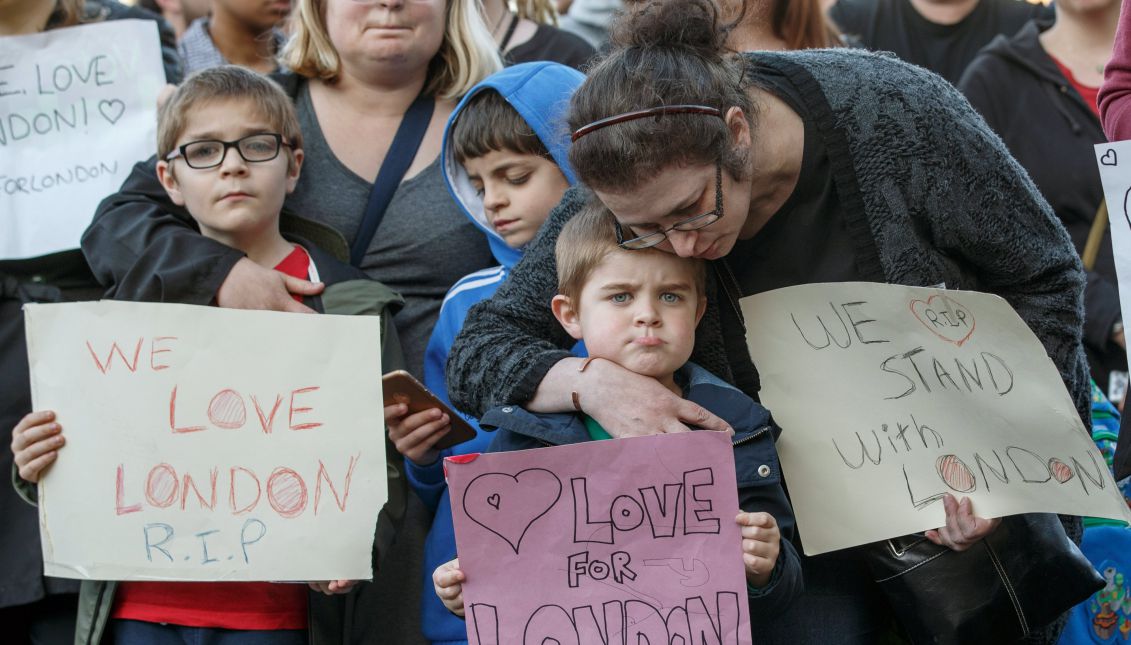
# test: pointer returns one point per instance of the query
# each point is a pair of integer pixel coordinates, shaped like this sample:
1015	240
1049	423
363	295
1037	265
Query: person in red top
1037	90
1115	93
229	150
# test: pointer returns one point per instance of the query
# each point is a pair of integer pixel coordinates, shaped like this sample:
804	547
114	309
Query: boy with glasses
230	150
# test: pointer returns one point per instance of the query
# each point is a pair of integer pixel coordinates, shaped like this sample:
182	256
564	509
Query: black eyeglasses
689	224
211	153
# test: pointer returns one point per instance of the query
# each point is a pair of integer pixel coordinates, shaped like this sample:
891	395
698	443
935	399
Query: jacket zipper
757	433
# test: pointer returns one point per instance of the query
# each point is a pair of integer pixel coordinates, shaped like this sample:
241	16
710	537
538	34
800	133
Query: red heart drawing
508	505
1060	470
948	320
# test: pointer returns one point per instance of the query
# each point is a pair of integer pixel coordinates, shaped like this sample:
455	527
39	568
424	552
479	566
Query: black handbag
1018	579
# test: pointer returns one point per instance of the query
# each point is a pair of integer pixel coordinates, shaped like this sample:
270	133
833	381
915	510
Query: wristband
573	394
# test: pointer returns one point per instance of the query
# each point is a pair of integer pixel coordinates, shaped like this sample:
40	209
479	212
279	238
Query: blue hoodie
540	93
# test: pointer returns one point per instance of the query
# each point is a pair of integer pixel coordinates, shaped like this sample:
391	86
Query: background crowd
1002	195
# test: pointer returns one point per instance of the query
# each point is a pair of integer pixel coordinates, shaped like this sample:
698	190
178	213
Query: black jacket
1024	97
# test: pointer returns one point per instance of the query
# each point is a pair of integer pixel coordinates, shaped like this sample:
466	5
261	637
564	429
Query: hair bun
684	24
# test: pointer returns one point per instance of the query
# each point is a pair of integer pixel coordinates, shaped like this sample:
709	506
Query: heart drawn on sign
1109	158
508	505
111	110
945	317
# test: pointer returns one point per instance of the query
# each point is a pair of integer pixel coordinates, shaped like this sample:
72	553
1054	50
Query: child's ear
294	169
700	309
169	182
567	315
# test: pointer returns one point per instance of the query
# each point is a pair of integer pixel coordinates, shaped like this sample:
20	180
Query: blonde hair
233	83
588	238
467	55
537	10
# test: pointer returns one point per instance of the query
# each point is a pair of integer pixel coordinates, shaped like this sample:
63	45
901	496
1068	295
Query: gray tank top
423	245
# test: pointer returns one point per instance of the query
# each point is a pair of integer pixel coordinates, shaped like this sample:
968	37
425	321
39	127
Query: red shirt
296	265
227	605
1089	94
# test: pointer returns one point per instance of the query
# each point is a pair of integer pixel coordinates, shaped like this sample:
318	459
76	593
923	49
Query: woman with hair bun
836	165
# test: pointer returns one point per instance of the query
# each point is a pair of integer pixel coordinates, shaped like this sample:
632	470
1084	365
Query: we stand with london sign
889	397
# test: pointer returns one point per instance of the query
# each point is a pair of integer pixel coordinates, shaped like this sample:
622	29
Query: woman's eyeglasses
211	153
689	224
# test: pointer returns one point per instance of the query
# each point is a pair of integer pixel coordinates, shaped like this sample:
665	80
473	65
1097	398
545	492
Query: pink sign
625	541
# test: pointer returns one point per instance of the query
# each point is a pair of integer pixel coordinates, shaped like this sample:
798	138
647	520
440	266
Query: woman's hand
332	587
36	441
448	581
250	286
415	435
761	545
963	529
626	404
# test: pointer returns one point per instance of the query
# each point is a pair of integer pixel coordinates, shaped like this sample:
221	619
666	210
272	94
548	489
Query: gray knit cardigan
931	196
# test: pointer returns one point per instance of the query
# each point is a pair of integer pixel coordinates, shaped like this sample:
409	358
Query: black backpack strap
397	160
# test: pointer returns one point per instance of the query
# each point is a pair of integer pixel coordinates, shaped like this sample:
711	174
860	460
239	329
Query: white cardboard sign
1114	160
78	108
890	396
207	443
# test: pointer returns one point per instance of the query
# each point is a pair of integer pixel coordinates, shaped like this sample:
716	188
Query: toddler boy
639	309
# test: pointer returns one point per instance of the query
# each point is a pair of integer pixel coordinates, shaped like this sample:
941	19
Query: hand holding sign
36	441
447	582
963	529
761	544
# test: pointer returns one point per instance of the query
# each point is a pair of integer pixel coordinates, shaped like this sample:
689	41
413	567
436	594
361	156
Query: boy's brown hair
588	238
489	123
231	83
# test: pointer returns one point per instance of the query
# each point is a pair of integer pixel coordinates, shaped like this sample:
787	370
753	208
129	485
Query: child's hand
761	544
414	435
332	587
36	441
448	580
963	529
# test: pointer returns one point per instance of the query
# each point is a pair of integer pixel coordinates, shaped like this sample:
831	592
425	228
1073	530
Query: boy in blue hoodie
505	162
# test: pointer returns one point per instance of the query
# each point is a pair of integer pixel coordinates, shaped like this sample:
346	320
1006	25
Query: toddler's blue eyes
670	298
619	297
